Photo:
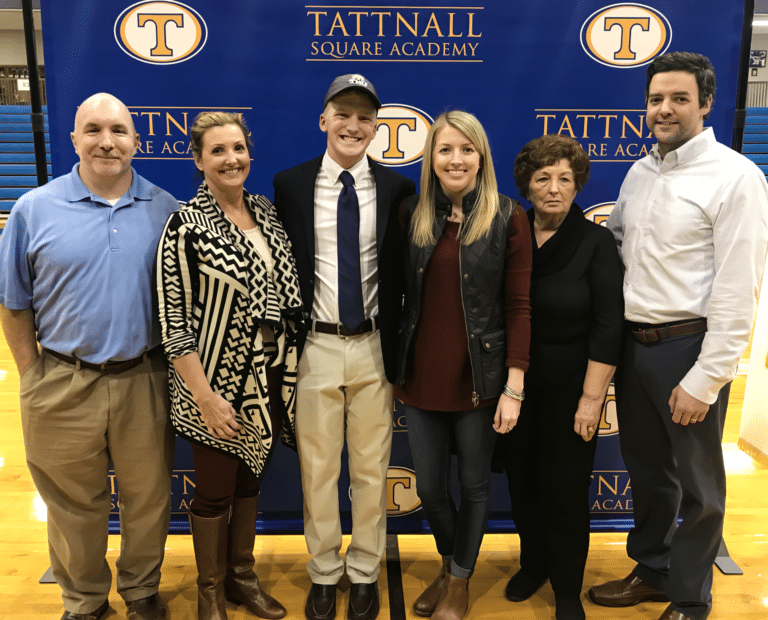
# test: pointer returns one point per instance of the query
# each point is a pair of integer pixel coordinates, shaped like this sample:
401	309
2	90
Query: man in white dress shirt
691	222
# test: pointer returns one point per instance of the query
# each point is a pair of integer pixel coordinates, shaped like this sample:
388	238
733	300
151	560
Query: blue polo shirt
85	267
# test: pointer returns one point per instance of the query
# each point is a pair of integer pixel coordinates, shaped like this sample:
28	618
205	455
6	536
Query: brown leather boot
427	601
209	538
241	584
454	600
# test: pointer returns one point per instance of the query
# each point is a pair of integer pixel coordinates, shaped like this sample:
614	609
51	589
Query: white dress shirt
692	230
327	189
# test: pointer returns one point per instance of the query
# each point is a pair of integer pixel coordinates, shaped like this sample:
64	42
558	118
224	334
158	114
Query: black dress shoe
93	615
363	601
321	602
148	608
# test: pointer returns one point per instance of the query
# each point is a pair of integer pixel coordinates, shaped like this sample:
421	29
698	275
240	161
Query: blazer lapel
382	204
306	198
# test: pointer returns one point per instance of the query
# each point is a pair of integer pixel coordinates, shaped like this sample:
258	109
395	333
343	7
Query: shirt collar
77	191
444	205
689	151
333	170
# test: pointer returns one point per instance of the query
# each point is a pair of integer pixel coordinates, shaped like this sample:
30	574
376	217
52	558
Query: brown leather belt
108	368
653	333
338	329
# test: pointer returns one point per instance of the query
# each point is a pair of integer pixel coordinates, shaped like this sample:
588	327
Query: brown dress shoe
625	592
94	615
148	608
673	614
425	605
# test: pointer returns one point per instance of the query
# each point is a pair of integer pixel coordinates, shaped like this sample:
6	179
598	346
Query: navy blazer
295	204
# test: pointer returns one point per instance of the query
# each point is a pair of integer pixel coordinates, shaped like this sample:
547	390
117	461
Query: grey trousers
675	471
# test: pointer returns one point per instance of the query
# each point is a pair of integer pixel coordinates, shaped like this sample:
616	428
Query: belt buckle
646	336
650	335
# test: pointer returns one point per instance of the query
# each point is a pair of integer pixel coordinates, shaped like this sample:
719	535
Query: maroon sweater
439	374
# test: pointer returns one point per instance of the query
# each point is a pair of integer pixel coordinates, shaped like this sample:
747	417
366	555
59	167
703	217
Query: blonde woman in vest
464	346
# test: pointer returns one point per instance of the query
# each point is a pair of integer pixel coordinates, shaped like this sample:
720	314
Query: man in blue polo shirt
77	310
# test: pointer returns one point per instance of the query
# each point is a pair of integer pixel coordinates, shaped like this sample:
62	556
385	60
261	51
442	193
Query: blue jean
458	533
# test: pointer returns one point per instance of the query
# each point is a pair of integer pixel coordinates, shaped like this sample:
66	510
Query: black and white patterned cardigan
214	295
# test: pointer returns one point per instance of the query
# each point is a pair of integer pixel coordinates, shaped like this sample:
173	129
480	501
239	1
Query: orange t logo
161	21
394	125
626	24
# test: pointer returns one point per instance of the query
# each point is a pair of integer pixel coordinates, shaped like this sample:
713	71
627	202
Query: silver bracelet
508	391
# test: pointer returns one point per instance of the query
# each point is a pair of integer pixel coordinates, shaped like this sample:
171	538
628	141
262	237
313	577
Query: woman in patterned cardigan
229	304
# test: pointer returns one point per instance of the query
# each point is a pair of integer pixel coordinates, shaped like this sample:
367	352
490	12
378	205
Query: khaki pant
75	422
342	385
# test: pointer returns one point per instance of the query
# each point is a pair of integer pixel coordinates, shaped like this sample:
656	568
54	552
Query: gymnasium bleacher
755	143
17	155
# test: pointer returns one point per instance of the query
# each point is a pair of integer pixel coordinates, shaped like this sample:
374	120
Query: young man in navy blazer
340	213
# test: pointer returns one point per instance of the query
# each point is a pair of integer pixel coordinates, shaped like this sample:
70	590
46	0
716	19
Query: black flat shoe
567	608
523	585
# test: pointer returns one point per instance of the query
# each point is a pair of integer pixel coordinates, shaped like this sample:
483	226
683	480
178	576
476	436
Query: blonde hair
206	120
478	223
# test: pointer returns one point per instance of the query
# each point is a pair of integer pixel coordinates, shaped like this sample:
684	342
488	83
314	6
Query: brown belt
108	368
338	329
653	333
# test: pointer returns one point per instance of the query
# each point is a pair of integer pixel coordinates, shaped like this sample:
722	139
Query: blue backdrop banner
523	68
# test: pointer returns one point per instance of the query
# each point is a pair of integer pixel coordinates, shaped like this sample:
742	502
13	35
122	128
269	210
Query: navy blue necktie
351	310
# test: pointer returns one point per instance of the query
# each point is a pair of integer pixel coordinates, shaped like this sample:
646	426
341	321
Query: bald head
105	140
104	101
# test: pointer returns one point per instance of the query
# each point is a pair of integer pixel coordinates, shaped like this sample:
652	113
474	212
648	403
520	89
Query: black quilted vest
482	288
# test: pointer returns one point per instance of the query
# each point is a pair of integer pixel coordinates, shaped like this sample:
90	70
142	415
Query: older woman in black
577	312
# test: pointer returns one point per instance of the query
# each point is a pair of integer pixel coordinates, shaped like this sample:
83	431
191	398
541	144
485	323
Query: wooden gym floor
281	559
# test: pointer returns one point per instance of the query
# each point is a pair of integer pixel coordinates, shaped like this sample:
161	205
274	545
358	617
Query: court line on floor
394	579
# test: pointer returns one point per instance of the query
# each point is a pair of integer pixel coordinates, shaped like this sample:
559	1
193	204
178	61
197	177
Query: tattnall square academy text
359	33
165	132
606	135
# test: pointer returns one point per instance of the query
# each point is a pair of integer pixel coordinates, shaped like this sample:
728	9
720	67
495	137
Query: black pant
549	470
675	471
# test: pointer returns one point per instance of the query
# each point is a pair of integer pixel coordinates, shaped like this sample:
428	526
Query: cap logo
358	80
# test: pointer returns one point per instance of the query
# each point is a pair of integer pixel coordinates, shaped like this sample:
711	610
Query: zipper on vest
475	396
